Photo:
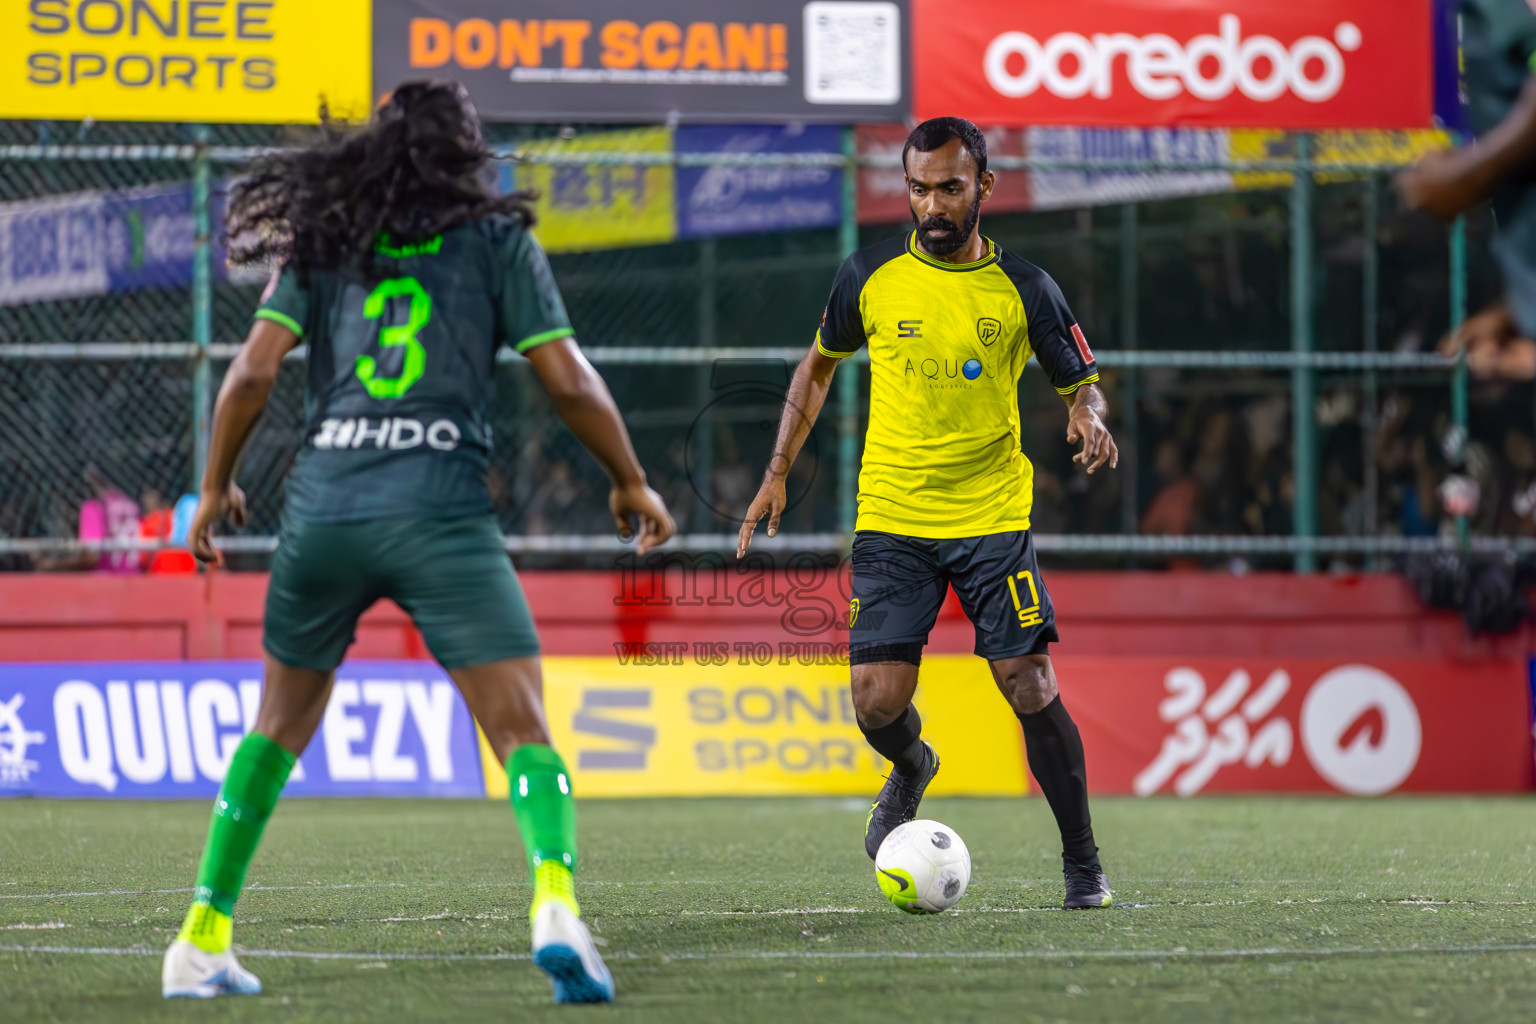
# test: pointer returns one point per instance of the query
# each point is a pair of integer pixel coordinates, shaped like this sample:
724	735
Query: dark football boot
897	802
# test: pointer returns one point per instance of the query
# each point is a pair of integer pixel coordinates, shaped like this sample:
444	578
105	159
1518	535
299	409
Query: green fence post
1459	383
1370	288
1130	289
202	302
704	477
1303	378
848	380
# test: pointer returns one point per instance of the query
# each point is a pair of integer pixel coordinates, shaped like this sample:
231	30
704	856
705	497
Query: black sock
900	742
1055	753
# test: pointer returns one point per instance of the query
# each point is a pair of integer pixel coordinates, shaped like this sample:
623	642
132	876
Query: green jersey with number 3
401	370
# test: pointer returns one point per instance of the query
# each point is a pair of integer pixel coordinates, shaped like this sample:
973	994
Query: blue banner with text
157	730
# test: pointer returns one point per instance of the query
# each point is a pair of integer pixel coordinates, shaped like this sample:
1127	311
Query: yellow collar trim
973	265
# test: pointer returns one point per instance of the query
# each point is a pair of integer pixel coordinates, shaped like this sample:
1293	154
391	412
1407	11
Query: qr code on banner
852	52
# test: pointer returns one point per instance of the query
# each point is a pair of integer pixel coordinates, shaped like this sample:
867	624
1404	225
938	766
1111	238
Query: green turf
1251	910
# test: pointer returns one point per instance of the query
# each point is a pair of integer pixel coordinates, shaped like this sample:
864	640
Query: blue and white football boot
193	973
563	949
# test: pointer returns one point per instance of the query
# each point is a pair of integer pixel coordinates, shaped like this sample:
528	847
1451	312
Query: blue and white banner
93	243
742	199
1054	190
137	730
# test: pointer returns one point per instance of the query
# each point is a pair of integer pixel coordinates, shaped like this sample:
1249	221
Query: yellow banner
686	729
1352	147
602	206
259	61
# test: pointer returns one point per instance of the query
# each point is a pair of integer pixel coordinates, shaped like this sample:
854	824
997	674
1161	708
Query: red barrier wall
50	618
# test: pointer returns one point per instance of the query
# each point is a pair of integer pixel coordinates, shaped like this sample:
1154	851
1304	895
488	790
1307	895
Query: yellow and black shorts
899	585
452	576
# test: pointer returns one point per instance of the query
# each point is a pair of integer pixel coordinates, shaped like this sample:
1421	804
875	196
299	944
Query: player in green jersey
404	274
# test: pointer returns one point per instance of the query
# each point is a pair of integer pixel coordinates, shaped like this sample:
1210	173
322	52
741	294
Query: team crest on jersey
988	329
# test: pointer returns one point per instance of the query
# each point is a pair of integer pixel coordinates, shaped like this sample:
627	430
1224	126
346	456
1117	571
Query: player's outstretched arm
807	394
1085	423
242	397
585	405
1446	184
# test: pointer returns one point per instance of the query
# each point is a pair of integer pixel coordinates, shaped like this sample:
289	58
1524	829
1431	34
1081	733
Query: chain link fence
1190	303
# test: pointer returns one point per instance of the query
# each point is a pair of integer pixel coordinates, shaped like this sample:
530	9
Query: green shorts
452	577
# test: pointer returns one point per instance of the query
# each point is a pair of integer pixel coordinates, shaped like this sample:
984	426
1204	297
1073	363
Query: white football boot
563	949
192	973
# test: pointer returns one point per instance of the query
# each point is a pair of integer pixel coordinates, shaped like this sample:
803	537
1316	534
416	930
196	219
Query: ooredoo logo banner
1153	725
1258	63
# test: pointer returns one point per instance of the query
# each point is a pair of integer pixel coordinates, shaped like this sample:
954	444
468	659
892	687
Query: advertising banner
759	719
93	243
739	200
1404	147
1262	63
694	720
137	730
1055	190
258	61
1205	725
599	205
688	60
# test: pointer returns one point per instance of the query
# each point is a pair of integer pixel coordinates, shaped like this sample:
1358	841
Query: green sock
255	780
546	817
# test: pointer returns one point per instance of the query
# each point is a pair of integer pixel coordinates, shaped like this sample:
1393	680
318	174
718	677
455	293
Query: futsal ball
923	867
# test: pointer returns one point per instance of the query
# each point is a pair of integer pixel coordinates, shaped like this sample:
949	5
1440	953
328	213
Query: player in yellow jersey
945	491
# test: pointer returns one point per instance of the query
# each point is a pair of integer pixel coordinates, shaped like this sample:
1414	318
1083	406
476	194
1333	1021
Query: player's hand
770	502
640	500
211	506
1439	185
1098	446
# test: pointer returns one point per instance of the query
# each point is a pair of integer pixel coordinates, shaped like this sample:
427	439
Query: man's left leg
459	588
1055	752
998	582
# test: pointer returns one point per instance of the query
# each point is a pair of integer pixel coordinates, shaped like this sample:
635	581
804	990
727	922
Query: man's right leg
321	582
897	593
199	963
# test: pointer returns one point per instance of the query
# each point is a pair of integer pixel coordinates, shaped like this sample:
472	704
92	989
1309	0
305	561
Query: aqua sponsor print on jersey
137	730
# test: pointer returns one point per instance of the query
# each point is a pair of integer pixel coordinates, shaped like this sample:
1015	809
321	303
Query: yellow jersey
947	343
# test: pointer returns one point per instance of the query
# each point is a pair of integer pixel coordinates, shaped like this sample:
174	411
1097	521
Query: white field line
355	885
1179	953
1028	883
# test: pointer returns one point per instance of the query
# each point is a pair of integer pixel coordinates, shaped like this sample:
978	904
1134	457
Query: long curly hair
415	171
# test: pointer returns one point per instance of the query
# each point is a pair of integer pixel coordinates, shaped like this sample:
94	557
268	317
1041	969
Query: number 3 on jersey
398	334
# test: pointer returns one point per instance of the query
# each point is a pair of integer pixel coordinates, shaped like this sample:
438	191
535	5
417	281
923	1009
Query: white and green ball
923	867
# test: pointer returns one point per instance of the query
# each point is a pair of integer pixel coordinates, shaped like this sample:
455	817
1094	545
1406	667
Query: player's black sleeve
1053	332
842	325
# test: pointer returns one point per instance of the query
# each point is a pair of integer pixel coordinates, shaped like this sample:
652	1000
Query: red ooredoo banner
1161	725
1236	63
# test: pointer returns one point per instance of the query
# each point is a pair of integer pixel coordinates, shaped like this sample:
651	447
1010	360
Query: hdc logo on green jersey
397	433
